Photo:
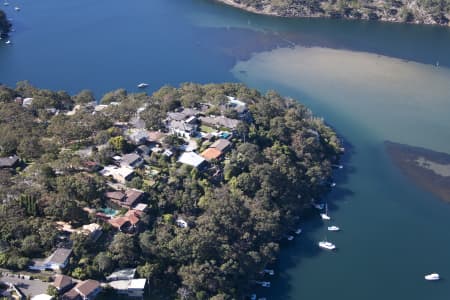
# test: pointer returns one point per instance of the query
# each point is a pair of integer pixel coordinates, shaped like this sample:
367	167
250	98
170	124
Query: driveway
27	286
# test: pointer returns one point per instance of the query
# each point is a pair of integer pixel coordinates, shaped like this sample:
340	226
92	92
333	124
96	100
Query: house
143	150
85	290
27	102
220	121
222	145
132	288
91	166
131	160
56	262
181	128
93	230
62	283
124	274
191	159
128	199
137	136
120	174
9	162
129	223
211	154
155	136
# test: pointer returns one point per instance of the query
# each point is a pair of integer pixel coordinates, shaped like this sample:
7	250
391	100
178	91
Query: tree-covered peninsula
410	11
193	186
5	25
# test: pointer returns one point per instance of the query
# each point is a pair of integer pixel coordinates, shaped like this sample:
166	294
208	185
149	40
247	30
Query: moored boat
327	245
333	228
432	277
142	85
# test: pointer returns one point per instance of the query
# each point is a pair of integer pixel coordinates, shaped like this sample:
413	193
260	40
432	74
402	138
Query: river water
371	81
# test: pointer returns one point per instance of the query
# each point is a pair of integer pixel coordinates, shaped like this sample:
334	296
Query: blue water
393	232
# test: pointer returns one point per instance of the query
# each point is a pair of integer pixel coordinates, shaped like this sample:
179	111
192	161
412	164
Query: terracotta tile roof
62	281
116	195
132	217
71	295
211	153
87	287
118	222
132	196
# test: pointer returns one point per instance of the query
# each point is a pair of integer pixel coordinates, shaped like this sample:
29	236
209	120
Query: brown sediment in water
426	168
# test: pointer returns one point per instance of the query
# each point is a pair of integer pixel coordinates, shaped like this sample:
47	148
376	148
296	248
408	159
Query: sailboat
325	215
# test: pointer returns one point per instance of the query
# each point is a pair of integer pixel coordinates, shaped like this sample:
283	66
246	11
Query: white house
192	159
132	161
132	288
120	174
56	262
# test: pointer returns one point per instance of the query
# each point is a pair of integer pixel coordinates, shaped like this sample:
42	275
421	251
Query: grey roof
189	112
8	162
220	121
180	125
191	158
60	256
130	158
176	116
221	144
122	274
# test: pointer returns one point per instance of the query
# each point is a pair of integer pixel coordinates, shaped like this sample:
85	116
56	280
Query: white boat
432	277
142	85
327	245
5	3
333	228
298	231
338	166
290	237
325	215
8	42
16	8
333	184
269	271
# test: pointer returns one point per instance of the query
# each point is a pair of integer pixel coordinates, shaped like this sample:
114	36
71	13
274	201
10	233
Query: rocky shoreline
398	12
